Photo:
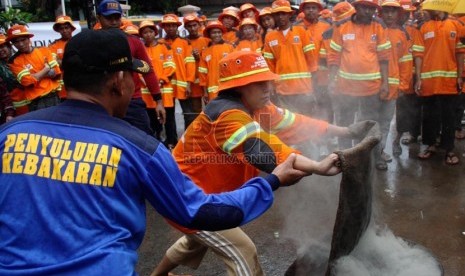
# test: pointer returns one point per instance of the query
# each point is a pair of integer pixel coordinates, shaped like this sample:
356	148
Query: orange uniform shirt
209	70
24	65
230	36
437	43
293	58
399	53
161	58
58	49
357	50
185	66
198	44
315	31
249	45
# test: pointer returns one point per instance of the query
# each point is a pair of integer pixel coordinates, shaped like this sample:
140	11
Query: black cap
101	51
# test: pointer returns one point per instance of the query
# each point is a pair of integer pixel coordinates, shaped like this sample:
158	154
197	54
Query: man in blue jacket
74	178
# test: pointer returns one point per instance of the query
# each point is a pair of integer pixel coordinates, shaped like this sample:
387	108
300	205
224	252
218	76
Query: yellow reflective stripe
303	75
179	83
167	64
393	81
418	48
240	135
322	51
189	59
22	74
309	47
167	90
54	55
439	74
212	89
53	63
336	47
144	91
287	121
407	57
21	103
459	45
351	76
203	70
268	55
245	74
383	46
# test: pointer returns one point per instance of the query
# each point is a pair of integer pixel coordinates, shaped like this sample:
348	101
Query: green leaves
14	16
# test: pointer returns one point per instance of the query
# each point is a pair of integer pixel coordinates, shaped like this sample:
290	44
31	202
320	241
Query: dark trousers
51	99
439	117
408	114
154	123
188	112
137	115
459	112
170	127
299	103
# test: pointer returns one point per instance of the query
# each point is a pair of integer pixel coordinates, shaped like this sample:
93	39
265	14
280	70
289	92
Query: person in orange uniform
358	62
185	65
248	10
16	91
161	58
64	26
391	11
315	27
459	130
232	140
209	73
266	22
294	88
249	38
35	68
198	43
438	80
230	19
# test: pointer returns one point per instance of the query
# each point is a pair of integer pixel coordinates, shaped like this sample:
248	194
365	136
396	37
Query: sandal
451	159
381	164
427	153
396	149
408	140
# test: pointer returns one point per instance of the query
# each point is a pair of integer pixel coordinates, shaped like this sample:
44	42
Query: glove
360	129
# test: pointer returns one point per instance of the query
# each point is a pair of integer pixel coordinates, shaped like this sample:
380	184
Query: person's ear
117	83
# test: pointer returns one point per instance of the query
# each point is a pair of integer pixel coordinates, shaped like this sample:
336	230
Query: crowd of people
252	84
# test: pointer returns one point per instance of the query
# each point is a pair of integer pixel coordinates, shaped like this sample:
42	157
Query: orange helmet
212	25
170	19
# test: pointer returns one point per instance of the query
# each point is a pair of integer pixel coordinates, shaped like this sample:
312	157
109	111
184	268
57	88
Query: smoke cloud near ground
309	211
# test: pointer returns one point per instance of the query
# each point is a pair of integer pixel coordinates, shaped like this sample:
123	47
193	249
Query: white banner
44	34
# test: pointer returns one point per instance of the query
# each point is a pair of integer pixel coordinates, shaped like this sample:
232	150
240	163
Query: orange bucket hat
265	11
249	21
212	25
281	6
248	6
407	5
317	2
190	18
148	23
232	13
170	19
373	3
243	67
63	19
131	29
326	13
391	3
342	10
18	31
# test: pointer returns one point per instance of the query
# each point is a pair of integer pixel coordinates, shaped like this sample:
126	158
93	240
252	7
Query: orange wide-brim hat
170	19
63	19
147	24
243	67
18	31
212	25
342	10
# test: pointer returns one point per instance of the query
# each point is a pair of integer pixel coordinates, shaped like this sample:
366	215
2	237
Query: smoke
309	211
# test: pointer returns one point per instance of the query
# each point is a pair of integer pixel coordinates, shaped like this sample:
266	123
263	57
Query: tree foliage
14	16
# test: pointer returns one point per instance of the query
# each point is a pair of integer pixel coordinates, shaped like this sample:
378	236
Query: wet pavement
421	201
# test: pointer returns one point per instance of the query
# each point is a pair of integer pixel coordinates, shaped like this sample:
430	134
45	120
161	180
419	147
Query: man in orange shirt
198	43
35	68
358	62
230	19
64	26
439	80
294	87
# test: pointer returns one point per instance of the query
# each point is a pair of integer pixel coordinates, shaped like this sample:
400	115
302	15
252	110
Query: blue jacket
73	186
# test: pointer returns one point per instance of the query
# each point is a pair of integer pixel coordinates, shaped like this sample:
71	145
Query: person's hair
88	83
230	93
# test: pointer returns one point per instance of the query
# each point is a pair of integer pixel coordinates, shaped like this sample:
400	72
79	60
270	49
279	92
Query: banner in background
44	33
